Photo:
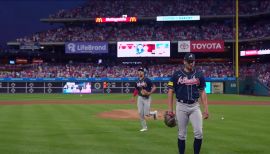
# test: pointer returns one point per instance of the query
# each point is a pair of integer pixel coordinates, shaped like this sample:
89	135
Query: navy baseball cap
189	57
141	69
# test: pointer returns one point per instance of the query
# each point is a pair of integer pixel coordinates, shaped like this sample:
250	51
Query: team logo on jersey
186	81
141	84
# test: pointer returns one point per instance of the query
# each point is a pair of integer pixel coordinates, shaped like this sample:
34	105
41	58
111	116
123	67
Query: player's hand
205	115
171	113
145	93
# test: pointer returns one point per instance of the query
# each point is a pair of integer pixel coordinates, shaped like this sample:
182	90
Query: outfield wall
99	85
252	86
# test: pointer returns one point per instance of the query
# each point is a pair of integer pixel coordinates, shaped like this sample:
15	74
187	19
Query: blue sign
208	87
178	18
86	47
29	46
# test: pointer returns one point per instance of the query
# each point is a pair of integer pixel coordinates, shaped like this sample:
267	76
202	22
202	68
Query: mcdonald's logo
98	19
132	19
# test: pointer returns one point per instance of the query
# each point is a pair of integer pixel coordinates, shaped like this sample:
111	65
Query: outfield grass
214	97
75	129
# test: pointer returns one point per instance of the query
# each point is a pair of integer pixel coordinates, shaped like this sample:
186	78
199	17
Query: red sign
37	61
250	53
254	52
207	46
21	61
119	19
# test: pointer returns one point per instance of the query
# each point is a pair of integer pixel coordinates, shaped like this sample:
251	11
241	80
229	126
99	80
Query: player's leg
196	121
140	104
147	107
152	113
147	104
182	121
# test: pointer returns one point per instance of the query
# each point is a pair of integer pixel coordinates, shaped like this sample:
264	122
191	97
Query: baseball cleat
155	115
143	130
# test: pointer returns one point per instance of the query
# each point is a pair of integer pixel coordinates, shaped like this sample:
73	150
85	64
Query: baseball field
108	124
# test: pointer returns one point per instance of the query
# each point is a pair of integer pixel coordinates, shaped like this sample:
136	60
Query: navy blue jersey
187	85
144	83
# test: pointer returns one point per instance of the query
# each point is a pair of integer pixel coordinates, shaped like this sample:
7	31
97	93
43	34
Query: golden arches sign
98	19
132	19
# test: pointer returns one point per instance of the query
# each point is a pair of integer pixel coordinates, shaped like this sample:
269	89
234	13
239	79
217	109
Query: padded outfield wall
100	85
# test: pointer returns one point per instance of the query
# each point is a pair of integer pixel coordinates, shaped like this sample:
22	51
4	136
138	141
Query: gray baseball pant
143	109
186	113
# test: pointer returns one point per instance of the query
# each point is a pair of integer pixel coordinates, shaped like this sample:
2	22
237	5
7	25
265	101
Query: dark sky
21	17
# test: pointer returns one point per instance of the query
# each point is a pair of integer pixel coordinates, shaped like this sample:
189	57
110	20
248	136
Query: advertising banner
86	47
29	46
143	49
217	88
201	46
77	88
255	52
116	19
178	18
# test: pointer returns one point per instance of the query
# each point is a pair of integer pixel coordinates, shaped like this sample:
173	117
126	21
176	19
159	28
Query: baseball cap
189	57
141	69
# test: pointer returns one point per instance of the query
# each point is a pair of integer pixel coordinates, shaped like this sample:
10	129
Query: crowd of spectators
260	71
152	8
151	31
82	70
92	70
86	70
155	30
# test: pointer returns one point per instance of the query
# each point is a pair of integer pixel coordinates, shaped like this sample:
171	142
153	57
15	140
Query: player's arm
203	97
135	93
170	100
205	104
171	85
153	89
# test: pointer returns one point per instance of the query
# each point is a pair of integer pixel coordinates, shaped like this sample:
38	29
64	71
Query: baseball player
144	88
188	85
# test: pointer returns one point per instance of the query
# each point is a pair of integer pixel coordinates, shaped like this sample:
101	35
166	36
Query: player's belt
187	101
146	97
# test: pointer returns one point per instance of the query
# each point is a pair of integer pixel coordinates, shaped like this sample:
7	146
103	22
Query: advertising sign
86	47
255	52
116	19
143	49
77	88
178	18
217	88
201	46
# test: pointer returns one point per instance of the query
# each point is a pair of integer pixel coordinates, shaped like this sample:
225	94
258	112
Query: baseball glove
144	92
169	119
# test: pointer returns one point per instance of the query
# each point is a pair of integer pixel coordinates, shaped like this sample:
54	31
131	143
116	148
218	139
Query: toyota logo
184	45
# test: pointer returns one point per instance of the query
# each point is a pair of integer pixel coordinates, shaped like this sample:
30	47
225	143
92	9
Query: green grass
75	129
23	97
